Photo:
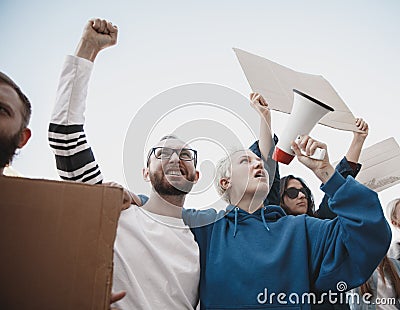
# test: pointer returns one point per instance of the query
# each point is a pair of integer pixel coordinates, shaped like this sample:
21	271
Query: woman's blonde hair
391	209
223	170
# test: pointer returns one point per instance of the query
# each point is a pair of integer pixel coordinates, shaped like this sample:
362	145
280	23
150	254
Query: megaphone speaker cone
281	156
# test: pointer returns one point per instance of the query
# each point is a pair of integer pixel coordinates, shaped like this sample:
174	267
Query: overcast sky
164	44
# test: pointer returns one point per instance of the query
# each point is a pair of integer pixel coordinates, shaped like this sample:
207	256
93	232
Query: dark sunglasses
293	192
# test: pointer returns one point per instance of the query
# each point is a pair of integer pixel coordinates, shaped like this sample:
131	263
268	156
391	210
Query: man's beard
164	187
8	147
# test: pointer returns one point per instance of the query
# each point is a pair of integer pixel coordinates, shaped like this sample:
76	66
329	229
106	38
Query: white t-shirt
156	260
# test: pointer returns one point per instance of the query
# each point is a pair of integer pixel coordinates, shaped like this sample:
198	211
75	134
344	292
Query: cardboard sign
276	83
380	165
57	244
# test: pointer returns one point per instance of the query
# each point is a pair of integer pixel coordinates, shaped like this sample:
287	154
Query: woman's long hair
310	199
387	268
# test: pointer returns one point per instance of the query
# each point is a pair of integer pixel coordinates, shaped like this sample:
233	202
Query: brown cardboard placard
57	244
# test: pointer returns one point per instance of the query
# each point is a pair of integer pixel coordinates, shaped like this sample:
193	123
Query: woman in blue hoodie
256	257
295	197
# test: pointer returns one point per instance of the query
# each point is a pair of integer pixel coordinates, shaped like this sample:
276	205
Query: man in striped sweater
156	259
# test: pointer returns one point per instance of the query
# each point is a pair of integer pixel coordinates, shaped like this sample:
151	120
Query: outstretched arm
266	140
265	146
347	166
354	151
350	247
74	157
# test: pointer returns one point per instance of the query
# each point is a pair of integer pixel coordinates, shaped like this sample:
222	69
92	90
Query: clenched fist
98	34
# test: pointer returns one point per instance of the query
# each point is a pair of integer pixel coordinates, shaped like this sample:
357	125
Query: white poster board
276	83
380	165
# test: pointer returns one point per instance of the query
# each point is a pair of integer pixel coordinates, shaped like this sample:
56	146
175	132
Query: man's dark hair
26	114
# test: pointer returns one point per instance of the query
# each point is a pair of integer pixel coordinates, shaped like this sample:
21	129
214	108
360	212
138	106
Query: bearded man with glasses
156	259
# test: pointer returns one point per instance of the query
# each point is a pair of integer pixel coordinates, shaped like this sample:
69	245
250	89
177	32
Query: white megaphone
306	112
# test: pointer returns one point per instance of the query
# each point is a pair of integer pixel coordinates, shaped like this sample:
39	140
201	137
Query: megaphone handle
319	153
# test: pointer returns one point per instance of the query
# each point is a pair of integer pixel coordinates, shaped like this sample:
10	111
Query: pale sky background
163	44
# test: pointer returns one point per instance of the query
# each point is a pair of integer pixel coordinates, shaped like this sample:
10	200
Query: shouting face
171	167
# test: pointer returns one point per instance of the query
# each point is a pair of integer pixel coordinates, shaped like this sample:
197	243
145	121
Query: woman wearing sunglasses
296	197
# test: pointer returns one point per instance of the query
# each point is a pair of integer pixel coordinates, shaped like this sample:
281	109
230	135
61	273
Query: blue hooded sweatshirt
247	260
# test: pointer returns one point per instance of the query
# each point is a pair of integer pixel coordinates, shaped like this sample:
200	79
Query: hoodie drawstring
236	215
263	218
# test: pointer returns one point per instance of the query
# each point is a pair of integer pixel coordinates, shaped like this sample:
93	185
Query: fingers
309	145
96	24
135	200
296	149
263	101
117	296
361	124
112	28
113	31
257	98
100	25
128	197
126	200
103	26
112	184
254	97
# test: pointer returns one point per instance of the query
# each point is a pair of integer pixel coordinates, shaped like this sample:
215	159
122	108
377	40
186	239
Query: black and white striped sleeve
74	157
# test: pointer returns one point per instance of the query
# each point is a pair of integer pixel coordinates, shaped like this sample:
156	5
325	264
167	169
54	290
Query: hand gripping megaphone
306	112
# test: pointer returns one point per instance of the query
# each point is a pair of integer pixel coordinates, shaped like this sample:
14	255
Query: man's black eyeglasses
293	192
162	152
